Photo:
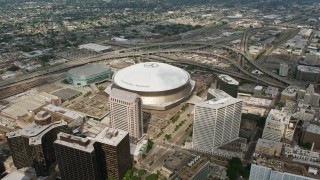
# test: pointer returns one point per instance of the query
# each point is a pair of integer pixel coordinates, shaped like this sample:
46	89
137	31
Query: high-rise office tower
310	89
106	156
283	69
216	122
76	158
113	149
126	113
278	126
301	94
33	145
307	98
228	85
315	98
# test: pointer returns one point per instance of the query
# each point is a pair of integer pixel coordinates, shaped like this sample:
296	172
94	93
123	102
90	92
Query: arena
161	86
88	73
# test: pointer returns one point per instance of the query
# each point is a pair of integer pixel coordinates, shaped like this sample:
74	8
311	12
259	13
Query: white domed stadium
161	86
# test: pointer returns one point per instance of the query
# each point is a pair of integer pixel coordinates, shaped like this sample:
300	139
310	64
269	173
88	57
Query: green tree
235	168
141	172
306	145
128	175
167	136
152	177
13	68
262	122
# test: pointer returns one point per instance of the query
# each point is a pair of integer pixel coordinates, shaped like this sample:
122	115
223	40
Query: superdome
151	77
160	85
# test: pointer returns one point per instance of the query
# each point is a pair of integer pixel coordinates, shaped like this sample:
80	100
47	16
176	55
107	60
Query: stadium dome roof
151	77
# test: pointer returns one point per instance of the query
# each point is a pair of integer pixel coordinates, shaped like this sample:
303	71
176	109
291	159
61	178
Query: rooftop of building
42	115
312	128
267	143
188	171
35	132
249	100
290	90
75	142
309	69
135	149
273	173
30	103
221	99
228	79
92	128
123	95
19	175
278	117
94	47
311	60
271	90
111	136
178	160
66	94
259	88
64	112
88	70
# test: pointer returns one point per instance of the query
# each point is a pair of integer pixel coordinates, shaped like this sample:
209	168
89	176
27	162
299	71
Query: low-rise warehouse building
29	106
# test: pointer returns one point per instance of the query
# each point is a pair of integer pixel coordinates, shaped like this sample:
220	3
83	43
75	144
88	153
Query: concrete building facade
216	122
283	69
308	73
33	146
278	126
126	113
268	147
76	158
311	134
113	149
290	93
105	156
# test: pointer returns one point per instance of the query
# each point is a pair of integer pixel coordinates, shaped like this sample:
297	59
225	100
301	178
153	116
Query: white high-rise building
310	89
315	98
307	98
278	126
301	94
284	69
216	122
126	113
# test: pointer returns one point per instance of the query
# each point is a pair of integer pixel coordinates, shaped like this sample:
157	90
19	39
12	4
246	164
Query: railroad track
20	88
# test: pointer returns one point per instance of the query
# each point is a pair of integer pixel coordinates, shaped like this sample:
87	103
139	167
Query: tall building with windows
33	145
105	156
126	113
76	158
216	122
283	69
228	85
308	73
278	126
113	149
